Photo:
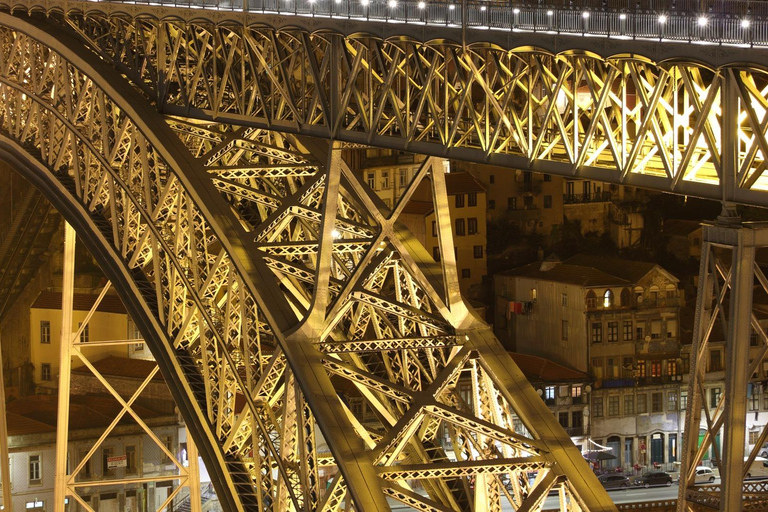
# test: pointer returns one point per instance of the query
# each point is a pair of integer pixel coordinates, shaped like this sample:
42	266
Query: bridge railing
734	22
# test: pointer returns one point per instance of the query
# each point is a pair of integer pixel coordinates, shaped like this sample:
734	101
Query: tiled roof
567	273
462	183
418	207
539	369
86	411
680	227
628	270
81	302
115	366
19	425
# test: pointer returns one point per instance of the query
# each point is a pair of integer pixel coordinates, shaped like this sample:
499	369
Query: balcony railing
735	22
574	431
595	197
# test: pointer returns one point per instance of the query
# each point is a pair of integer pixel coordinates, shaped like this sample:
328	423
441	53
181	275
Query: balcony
619	383
592	197
666	302
574	431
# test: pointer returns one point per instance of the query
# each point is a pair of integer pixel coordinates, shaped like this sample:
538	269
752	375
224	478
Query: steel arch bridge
200	163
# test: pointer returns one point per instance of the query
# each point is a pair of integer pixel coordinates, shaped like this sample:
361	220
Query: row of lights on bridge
701	21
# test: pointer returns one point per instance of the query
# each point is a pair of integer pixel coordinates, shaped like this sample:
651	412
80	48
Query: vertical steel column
736	365
65	364
193	476
5	465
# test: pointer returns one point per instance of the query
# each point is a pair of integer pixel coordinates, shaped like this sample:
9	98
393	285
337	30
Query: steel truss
272	285
728	278
623	119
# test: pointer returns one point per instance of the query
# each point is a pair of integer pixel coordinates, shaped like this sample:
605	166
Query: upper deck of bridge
714	32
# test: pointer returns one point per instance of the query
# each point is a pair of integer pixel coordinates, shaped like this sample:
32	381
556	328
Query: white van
758	469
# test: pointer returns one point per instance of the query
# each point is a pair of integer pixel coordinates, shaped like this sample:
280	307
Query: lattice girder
623	119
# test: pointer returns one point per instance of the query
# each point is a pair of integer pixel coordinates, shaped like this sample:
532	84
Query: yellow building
109	322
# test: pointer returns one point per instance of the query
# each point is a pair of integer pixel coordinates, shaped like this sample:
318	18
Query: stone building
617	321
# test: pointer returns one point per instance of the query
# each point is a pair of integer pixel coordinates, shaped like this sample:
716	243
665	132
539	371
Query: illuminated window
608	299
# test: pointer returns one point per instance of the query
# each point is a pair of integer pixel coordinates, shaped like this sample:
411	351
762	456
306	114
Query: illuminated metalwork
727	278
247	257
621	119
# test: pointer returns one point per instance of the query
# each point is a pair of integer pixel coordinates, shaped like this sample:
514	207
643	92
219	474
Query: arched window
608	299
591	300
626	298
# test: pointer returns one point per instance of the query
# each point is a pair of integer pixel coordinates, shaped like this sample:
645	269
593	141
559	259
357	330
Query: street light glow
702	21
662	19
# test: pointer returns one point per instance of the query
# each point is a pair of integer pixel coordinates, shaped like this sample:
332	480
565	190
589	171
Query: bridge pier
726	287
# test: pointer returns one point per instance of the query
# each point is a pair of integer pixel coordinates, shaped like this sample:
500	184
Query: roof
418	207
539	369
82	302
462	183
19	425
115	366
628	270
567	273
85	411
680	227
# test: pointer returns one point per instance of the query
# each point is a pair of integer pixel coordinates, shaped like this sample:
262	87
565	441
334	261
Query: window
656	402
403	177
672	368
626	301
753	397
753	339
562	418
656	368
639	333
564	300
85	336
597	332
534	294
629	405
434	228
45	371
627	330
714	397
106	453
642	403
655	329
385	179
45	331
591	300
715	365
608	299
459	200
672	401
371	180
131	468
472	225
577	419
528	202
511	203
597	367
564	330
460	227
549	394
613	331
477	251
36	504
465	273
683	400
436	253
671	328
492	179
754	437
547	201
597	407
576	391
491	204
641	368
613	406
35	477
472	199
168	442
547	177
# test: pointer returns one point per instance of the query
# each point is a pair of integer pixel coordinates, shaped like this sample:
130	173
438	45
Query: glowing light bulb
662	19
516	10
392	3
702	21
335	234
744	23
622	16
451	7
550	13
585	14
422	5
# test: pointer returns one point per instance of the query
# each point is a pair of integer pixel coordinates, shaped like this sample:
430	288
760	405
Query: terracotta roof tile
628	270
19	425
566	273
115	366
462	183
82	302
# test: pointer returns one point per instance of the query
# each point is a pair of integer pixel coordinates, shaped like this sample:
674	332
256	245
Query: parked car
654	478
614	481
704	475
